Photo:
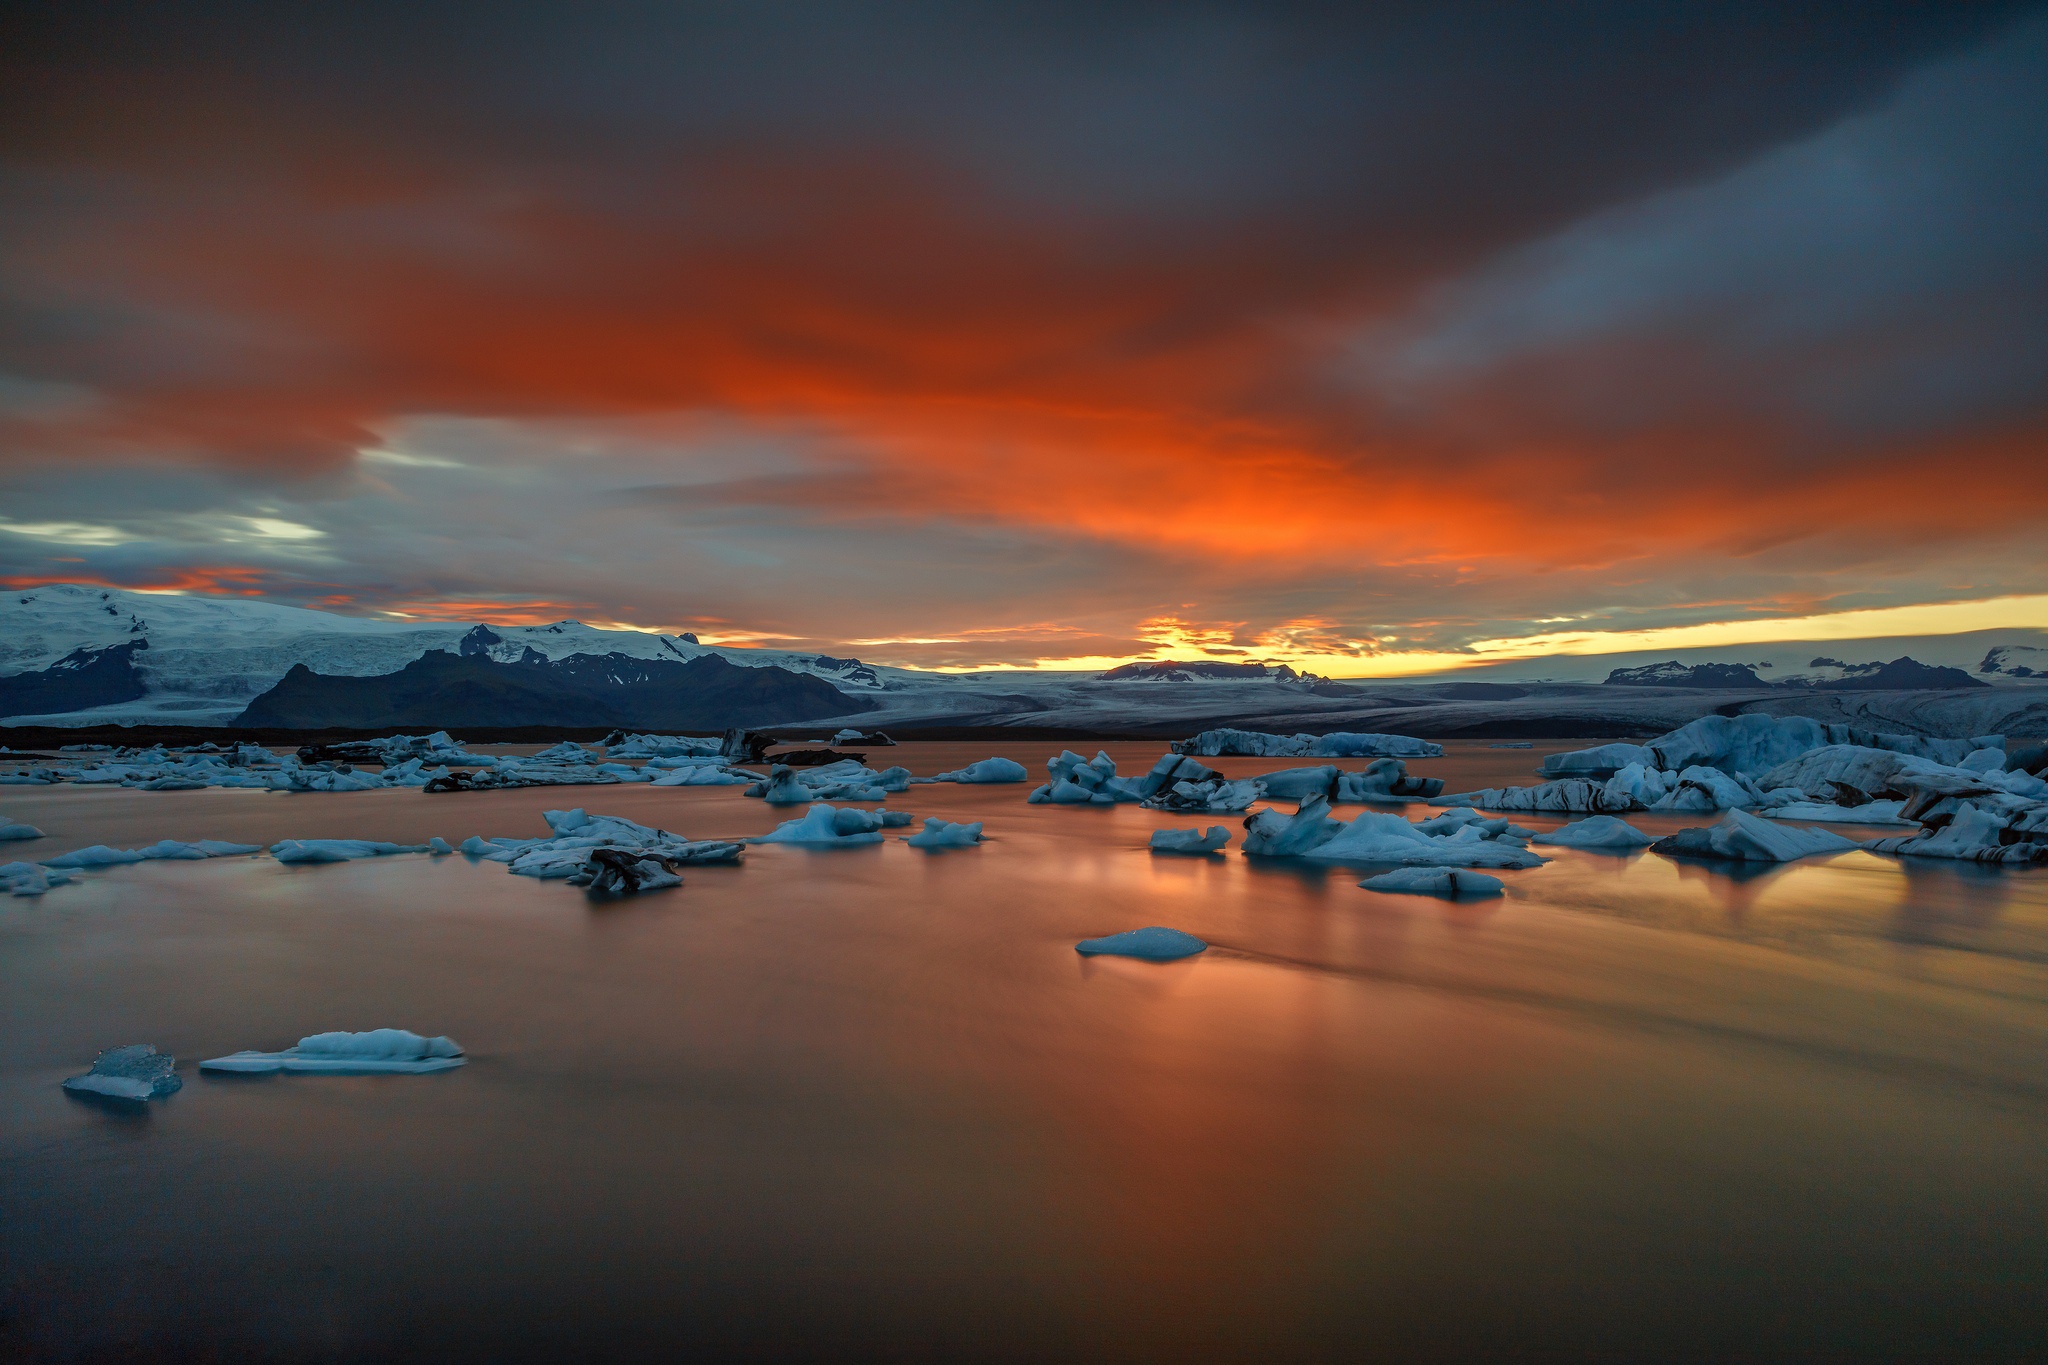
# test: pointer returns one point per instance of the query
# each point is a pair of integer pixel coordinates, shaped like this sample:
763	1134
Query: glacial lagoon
869	1102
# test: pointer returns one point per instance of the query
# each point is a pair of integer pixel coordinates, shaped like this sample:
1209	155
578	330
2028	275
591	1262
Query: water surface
870	1103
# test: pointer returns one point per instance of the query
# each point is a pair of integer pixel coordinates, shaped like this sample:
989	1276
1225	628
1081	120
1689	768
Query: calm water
870	1103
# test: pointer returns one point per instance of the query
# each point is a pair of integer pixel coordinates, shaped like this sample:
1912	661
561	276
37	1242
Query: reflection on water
871	1103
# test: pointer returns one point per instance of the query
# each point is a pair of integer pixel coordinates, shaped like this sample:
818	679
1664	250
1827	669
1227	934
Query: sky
1375	339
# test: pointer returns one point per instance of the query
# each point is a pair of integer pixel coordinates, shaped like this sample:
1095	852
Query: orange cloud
220	581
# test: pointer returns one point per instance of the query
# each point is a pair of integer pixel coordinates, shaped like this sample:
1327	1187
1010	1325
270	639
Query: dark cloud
1395	320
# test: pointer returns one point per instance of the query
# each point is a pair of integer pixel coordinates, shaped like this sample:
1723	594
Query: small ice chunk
1435	881
99	855
10	831
988	770
938	833
784	788
437	845
1154	943
1597	832
336	850
383	1051
28	879
136	1072
1190	840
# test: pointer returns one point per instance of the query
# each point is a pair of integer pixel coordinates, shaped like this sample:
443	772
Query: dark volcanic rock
82	678
1675	674
440	690
1902	675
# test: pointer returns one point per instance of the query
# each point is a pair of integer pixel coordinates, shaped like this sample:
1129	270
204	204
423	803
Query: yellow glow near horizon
1928	618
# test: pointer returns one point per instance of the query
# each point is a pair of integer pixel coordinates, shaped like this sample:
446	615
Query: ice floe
621	745
1190	840
1741	837
843	780
135	1072
1602	832
1154	943
1435	881
1339	744
29	879
99	855
12	832
939	833
383	1051
988	770
337	850
1383	838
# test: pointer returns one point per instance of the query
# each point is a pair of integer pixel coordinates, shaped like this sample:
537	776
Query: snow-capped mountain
202	660
207	658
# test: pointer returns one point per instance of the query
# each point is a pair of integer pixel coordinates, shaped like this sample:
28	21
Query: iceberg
1742	837
1974	834
1153	943
832	826
337	850
99	855
1435	881
987	770
10	832
782	788
379	1052
1190	840
1178	783
136	1072
1602	832
938	833
1383	838
1078	781
1339	744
